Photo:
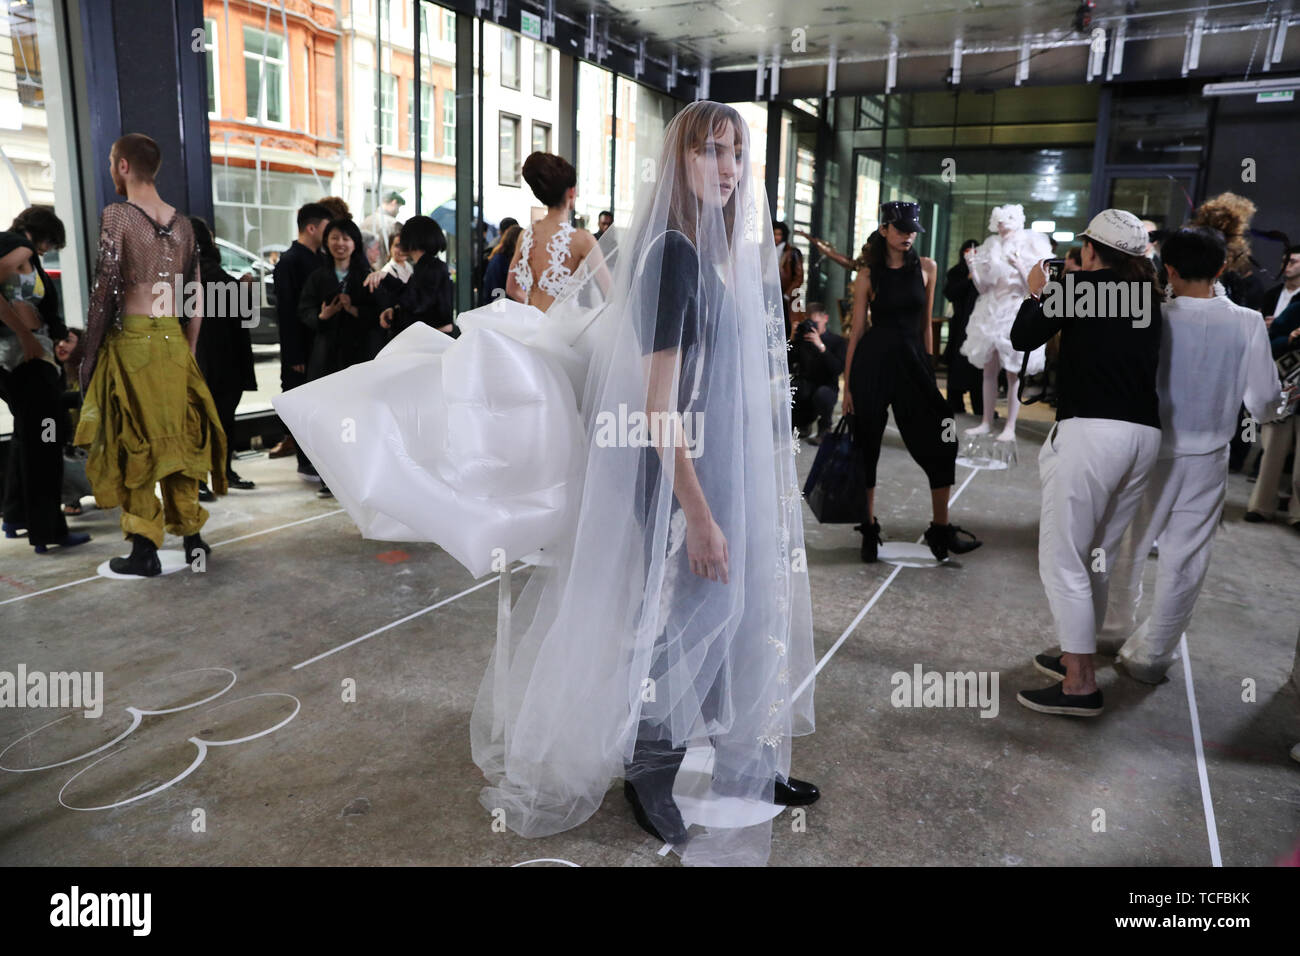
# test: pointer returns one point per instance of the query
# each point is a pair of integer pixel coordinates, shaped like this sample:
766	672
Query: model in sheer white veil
674	611
638	433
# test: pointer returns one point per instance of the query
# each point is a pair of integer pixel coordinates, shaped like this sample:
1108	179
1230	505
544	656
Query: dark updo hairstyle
422	234
41	224
550	177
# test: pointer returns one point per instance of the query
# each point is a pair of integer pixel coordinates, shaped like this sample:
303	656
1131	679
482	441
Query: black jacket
291	271
344	339
1279	333
225	346
425	297
1266	304
1107	366
959	289
816	367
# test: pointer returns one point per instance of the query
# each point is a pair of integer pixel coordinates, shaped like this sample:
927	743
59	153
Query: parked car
239	262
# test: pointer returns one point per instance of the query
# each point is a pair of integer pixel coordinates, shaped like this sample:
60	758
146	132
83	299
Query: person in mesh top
148	416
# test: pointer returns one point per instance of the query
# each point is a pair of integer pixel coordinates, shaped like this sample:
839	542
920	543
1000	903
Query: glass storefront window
293	120
426	116
643	116
866	201
595	140
449	123
755	117
209	50
1147	130
38	160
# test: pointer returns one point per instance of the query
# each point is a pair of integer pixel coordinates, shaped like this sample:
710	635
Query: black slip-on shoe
1254	517
1051	666
1054	700
795	793
233	480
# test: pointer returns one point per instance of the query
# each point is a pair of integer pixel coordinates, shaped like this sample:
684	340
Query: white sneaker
1295	753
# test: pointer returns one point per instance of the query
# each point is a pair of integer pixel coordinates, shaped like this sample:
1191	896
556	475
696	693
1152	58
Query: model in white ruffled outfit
999	269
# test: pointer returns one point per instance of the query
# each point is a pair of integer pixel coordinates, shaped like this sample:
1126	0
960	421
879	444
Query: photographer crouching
816	364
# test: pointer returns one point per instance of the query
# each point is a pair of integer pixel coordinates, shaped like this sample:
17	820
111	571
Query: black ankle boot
142	561
871	540
195	543
667	813
945	538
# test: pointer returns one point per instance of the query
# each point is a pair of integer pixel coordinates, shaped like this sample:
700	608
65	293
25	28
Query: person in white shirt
1214	357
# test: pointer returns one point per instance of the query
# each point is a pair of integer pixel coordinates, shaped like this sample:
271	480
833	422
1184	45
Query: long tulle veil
614	640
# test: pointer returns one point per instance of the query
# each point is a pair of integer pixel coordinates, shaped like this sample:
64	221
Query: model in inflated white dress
1000	269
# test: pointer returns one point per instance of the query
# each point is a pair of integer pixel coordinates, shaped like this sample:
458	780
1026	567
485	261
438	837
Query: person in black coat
225	347
427	296
963	377
336	305
293	267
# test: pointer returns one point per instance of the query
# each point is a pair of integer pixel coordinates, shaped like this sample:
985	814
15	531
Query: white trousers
1277	439
1094	473
1182	506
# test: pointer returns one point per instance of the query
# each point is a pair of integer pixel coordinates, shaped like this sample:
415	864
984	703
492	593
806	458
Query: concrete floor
386	777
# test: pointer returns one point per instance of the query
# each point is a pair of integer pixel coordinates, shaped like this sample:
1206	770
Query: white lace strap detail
524	272
557	273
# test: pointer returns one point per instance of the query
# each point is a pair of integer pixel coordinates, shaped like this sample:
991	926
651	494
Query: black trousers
813	402
34	472
891	371
227	400
289	379
964	378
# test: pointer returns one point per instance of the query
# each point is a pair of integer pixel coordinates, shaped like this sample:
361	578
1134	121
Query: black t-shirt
673	261
672	275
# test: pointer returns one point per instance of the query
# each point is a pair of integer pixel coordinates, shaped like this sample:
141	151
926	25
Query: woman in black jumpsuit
889	368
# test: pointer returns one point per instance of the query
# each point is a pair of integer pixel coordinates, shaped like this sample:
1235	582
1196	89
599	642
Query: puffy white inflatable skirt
465	442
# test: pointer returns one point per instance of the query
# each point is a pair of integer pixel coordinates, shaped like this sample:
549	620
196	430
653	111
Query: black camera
803	328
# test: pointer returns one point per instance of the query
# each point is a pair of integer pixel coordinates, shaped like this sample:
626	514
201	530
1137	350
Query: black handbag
1031	388
836	489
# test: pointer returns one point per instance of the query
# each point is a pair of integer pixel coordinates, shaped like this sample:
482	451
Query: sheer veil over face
616	644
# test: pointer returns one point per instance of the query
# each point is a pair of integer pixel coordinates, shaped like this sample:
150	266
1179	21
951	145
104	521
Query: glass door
1163	197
